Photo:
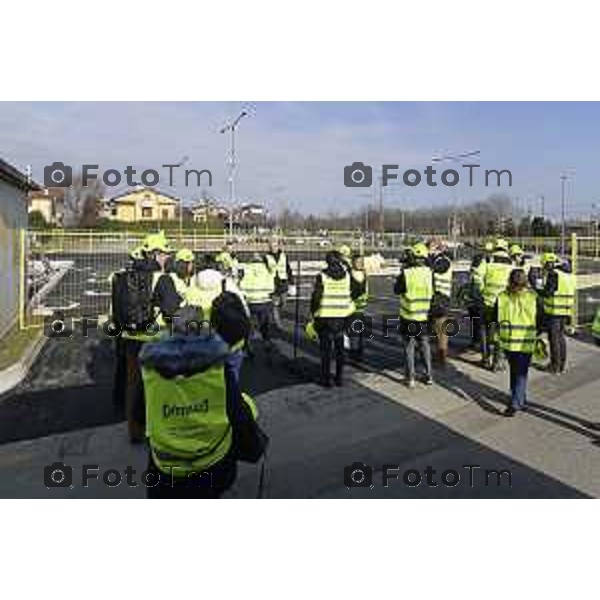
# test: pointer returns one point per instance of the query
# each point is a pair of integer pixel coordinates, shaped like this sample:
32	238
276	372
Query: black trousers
135	405
558	343
262	312
331	343
120	374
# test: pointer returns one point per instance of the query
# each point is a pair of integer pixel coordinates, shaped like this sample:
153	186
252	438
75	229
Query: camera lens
360	178
360	328
60	178
357	476
57	476
58	326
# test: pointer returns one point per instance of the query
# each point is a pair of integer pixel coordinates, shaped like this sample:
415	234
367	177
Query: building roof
130	191
17	179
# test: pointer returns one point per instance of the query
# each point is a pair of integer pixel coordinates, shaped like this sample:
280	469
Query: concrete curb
11	376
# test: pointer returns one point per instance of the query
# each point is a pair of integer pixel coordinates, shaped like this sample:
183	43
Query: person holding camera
199	424
330	305
414	285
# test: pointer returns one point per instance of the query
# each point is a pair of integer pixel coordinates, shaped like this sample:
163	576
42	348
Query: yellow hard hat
489	246
549	258
185	255
420	250
515	250
501	244
157	241
310	331
345	251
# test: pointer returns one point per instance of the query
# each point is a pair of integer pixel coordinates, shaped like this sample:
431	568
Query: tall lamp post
231	128
564	177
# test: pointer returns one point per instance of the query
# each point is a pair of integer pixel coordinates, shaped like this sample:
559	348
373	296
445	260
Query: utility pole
231	128
563	179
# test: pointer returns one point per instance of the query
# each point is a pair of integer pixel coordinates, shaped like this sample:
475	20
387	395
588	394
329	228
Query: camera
358	475
58	175
58	475
359	325
58	326
358	175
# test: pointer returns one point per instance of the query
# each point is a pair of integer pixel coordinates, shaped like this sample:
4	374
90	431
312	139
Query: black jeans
135	405
262	313
558	343
331	343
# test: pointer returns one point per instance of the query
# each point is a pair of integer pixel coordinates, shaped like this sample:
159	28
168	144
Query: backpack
132	299
229	318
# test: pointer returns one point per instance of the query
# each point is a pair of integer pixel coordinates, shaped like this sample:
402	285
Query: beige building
48	204
144	204
208	209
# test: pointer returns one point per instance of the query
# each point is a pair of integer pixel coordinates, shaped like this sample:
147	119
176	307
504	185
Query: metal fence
69	270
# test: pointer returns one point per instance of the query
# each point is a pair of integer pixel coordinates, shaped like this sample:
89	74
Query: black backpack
132	299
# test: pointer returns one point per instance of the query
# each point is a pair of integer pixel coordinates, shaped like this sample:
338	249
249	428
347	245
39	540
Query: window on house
146	212
165	214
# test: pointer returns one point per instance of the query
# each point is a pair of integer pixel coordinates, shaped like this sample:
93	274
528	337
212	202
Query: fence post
574	265
297	310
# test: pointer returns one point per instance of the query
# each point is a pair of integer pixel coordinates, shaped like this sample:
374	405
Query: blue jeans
518	363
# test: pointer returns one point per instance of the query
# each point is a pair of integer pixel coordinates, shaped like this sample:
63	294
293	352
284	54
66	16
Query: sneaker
510	412
410	384
428	380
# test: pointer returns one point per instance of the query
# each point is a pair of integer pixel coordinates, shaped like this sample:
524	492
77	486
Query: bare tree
81	202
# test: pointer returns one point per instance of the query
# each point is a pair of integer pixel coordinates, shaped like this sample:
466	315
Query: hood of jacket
184	355
335	270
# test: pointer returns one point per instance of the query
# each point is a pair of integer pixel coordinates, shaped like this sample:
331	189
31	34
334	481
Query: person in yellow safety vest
441	265
195	413
495	281
330	306
415	288
137	259
558	299
166	303
345	254
229	261
519	323
279	266
211	284
257	286
517	255
474	293
359	288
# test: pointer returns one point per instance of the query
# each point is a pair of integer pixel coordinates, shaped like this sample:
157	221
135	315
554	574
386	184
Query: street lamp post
563	179
231	129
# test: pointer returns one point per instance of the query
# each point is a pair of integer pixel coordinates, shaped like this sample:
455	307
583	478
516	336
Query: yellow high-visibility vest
186	420
562	302
336	300
495	281
415	303
442	283
517	318
257	284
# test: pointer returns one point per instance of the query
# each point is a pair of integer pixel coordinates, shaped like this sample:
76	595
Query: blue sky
293	154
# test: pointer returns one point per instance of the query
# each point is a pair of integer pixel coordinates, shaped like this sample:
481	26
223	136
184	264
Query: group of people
182	392
172	385
511	304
